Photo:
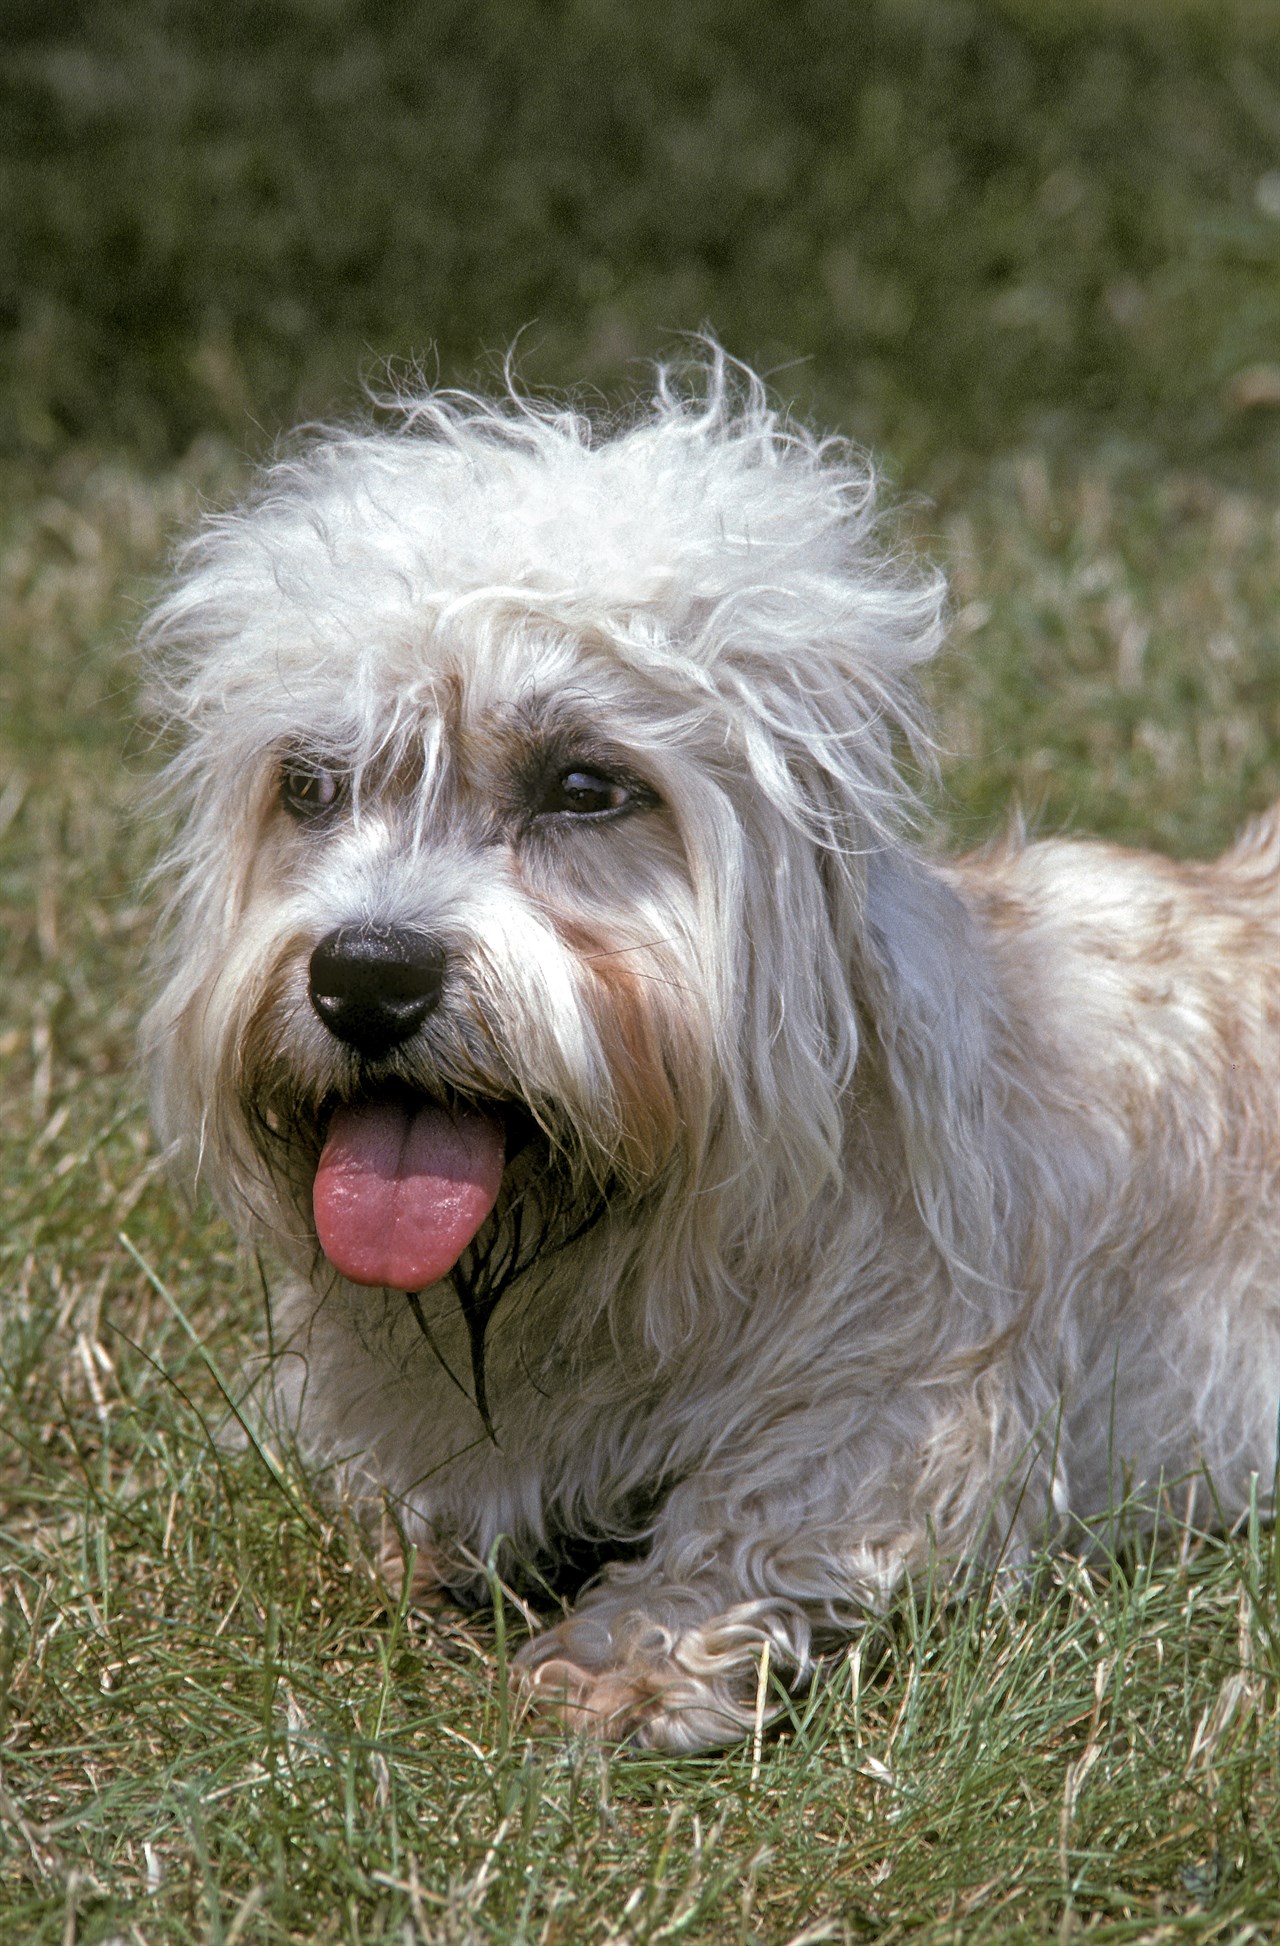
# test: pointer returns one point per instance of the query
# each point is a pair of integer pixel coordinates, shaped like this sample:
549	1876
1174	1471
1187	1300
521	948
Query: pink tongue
401	1191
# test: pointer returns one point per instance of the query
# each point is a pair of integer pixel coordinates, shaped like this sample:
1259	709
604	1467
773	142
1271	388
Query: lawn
1032	252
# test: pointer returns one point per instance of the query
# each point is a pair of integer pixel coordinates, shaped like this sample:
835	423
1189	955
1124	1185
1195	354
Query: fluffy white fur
941	1199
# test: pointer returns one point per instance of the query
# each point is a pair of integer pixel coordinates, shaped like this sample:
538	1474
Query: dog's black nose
373	986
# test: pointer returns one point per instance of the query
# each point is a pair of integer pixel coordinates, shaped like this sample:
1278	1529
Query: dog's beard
543	1206
552	1192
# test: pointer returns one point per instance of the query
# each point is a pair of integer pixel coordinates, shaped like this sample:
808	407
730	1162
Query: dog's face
528	783
474	959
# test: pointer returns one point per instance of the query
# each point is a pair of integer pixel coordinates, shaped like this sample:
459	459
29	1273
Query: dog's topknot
729	556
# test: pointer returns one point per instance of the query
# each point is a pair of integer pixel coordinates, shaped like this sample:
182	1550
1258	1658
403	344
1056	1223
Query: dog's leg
666	1652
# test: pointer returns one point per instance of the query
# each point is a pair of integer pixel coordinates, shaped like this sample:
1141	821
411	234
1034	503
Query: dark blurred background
949	226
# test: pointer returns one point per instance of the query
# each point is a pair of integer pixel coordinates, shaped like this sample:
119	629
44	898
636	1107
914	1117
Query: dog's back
1149	988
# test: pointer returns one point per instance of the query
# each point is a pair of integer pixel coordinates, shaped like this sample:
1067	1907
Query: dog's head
529	775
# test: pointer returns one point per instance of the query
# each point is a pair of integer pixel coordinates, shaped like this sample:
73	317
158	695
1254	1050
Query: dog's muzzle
373	986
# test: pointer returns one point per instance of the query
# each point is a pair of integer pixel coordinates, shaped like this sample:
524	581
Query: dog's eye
307	790
587	794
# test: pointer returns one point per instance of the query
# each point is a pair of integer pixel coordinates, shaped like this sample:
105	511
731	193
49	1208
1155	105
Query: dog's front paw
417	1575
613	1705
660	1692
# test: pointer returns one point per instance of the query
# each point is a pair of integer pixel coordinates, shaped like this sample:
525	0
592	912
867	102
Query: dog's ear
926	986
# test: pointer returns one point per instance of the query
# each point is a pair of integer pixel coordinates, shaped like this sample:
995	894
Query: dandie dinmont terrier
664	1151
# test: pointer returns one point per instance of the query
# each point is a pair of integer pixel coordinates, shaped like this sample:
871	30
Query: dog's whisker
631	946
414	1300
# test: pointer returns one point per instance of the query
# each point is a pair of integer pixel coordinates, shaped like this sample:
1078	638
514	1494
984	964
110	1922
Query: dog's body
826	1213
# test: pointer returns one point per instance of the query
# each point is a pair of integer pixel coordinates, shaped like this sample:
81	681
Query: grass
213	1724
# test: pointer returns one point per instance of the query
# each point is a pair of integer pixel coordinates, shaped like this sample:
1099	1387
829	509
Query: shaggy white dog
666	1153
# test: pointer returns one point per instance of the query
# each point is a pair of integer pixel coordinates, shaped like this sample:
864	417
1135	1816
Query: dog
664	1153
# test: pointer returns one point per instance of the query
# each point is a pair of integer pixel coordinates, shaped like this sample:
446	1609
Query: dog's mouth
404	1185
412	1189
